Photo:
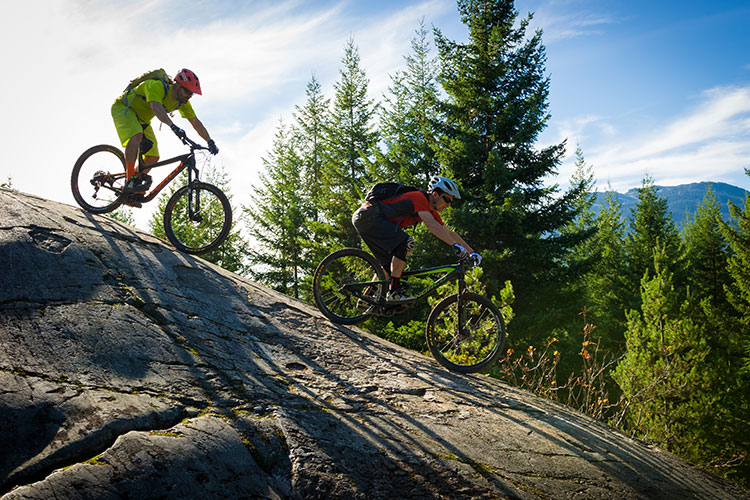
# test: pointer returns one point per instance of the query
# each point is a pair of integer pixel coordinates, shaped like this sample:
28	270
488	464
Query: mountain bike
197	218
465	331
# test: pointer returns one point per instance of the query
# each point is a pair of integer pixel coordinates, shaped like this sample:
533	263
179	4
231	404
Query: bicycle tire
477	344
336	270
109	162
198	236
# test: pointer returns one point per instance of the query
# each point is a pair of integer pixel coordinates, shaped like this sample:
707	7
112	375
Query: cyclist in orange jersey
381	227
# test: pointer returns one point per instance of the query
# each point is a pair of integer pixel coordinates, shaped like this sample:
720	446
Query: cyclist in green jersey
380	225
133	112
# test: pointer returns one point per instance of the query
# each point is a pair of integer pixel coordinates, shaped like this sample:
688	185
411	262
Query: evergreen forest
623	316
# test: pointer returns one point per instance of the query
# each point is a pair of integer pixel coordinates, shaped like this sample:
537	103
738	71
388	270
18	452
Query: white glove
476	258
460	251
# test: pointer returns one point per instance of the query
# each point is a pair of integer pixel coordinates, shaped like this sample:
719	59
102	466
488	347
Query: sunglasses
446	199
188	94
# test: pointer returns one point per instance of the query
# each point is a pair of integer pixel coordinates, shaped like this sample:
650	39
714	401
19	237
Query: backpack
157	74
385	190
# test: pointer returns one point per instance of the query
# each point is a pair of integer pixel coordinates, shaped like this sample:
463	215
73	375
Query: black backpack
385	190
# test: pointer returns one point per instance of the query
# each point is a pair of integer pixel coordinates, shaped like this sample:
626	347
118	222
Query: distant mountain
683	200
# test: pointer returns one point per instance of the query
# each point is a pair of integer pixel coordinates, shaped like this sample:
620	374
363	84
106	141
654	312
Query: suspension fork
194	205
460	304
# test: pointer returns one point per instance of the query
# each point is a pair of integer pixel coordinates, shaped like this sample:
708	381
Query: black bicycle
465	331
197	218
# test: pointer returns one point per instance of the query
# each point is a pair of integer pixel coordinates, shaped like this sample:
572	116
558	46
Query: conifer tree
651	225
680	393
606	282
707	252
350	140
737	231
311	129
277	218
311	123
495	109
408	123
583	256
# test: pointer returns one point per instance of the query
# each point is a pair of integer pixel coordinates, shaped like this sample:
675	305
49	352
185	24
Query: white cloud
710	142
254	60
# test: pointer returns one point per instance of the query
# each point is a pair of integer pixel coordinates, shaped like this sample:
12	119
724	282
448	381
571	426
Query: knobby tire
198	237
339	303
472	346
103	157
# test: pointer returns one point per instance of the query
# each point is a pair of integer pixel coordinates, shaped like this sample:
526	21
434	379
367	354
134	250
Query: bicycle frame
186	161
453	272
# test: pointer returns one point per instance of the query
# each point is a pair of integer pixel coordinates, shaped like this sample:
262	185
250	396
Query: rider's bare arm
442	232
160	112
460	241
199	128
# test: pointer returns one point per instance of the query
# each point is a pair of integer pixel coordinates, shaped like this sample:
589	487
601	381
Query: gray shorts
384	238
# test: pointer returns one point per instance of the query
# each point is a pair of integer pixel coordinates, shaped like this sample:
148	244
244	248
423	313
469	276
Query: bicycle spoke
98	178
341	281
471	343
201	227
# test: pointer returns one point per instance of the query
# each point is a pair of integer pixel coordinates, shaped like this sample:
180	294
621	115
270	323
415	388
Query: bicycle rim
208	225
469	344
341	303
98	178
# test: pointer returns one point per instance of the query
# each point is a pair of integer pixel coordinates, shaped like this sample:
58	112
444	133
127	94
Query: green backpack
157	74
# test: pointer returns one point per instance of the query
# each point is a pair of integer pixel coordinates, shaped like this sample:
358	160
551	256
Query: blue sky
645	88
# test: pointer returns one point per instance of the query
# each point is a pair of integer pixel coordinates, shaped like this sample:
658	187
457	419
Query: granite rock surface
129	370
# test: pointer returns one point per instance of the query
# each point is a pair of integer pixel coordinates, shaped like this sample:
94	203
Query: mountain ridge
683	200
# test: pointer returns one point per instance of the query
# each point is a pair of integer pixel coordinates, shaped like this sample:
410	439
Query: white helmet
445	185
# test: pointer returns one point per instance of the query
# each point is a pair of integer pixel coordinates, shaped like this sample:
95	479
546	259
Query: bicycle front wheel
468	340
98	178
340	282
197	218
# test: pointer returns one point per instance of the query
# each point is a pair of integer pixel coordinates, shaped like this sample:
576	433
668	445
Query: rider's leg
151	155
397	267
131	154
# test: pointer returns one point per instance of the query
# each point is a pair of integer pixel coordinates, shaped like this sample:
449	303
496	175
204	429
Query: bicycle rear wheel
203	228
98	178
469	340
340	281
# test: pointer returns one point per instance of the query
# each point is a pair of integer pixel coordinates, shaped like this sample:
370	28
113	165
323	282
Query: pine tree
651	225
606	282
350	140
408	123
311	123
582	257
737	231
278	218
231	254
679	392
310	131
496	108
707	252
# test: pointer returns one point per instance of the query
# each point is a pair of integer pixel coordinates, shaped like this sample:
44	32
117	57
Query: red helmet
189	80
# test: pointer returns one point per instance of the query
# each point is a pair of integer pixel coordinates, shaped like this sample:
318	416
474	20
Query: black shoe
138	184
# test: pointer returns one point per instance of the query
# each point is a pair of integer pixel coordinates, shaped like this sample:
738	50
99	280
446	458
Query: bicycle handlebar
192	144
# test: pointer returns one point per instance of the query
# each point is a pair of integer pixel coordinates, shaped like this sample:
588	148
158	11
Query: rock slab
128	370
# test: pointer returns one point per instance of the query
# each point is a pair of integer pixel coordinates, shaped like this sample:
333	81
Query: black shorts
384	238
